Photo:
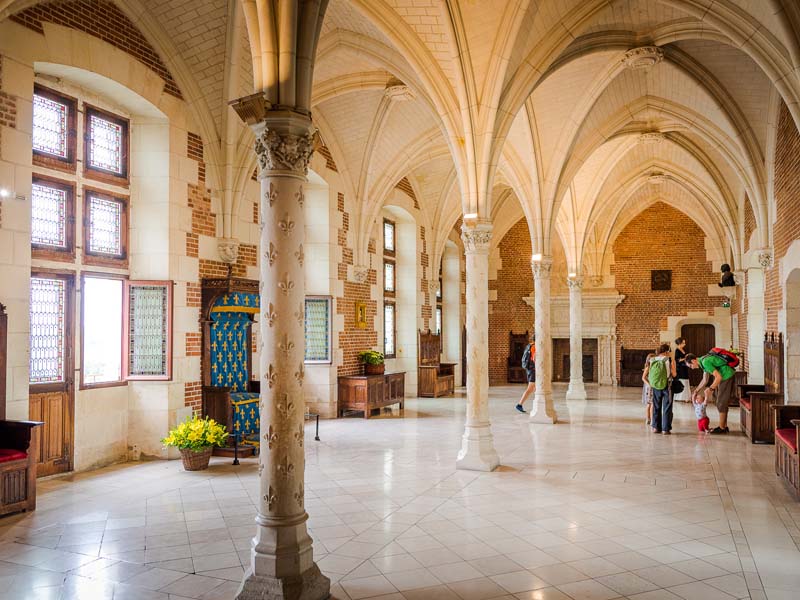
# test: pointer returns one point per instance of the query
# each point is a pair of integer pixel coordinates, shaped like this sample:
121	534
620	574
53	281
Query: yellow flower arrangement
196	434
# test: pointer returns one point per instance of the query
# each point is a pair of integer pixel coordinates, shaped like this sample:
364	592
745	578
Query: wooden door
52	369
700	339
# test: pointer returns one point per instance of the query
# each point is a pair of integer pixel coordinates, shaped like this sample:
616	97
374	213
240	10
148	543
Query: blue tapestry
246	420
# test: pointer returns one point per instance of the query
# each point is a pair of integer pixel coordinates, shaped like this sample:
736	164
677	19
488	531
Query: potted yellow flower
196	438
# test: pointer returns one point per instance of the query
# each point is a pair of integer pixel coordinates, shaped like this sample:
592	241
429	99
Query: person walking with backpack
719	367
529	364
657	374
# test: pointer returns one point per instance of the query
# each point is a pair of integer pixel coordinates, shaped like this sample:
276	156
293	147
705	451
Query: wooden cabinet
364	393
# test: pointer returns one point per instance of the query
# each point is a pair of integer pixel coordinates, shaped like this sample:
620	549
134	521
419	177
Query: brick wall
787	209
102	20
351	339
650	241
193	395
424	283
510	312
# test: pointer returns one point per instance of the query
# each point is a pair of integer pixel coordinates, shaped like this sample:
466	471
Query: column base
311	585
576	391
477	450
543	410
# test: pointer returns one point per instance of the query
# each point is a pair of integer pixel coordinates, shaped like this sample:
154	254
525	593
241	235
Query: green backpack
657	375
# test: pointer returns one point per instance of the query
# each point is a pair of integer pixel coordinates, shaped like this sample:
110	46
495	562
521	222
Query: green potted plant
373	362
196	438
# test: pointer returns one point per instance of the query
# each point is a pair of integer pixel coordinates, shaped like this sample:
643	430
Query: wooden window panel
147	331
50	161
389	245
98	173
50	252
103	259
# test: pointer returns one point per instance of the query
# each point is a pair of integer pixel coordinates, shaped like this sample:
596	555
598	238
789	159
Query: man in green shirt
721	375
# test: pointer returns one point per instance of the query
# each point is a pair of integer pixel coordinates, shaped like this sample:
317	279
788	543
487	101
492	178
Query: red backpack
726	355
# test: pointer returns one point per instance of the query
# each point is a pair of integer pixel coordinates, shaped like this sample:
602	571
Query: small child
700	413
647	392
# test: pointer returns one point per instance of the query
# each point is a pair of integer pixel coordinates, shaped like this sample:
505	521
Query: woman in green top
722	377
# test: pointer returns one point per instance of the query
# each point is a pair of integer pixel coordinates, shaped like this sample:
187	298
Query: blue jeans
662	410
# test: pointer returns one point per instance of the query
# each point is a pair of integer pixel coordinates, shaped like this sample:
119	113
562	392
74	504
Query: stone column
282	564
576	390
543	410
477	447
756	322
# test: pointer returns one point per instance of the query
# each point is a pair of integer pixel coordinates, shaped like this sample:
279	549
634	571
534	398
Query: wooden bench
787	438
19	445
434	378
756	401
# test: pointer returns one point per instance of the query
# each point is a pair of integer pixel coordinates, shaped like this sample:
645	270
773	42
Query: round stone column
477	446
576	390
543	410
282	564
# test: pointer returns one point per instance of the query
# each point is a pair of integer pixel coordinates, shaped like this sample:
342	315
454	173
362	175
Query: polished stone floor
594	508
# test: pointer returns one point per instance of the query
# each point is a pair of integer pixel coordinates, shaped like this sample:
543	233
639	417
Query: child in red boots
700	413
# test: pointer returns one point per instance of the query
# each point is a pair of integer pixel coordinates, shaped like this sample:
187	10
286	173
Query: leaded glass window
48	215
105	226
388	330
438	319
318	330
388	236
50	130
48	320
148	330
388	277
106	144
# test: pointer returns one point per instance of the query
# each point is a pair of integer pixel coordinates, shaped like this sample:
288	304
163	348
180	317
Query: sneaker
656	430
667	432
519	408
719	430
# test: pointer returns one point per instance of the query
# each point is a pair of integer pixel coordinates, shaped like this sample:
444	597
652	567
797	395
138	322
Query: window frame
51	161
387	251
82	385
393	292
329	302
69	330
45	251
169	285
394	328
97	173
99	259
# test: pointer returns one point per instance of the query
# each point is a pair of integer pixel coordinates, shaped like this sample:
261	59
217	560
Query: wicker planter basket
374	369
196	461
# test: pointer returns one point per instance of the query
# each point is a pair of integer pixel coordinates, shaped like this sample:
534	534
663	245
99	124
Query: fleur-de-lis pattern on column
283	161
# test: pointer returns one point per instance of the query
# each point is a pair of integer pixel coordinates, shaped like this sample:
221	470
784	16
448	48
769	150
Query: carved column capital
476	238
575	283
228	249
542	267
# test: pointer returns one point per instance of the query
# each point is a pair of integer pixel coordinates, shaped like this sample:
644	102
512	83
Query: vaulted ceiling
580	110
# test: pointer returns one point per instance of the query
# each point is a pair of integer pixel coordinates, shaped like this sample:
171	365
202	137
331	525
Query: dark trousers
662	410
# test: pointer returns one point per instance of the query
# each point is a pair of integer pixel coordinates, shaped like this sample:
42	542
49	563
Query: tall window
318	329
148	330
389	289
439	305
102	331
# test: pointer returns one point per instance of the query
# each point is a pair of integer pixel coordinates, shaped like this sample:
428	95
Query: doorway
52	389
700	338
